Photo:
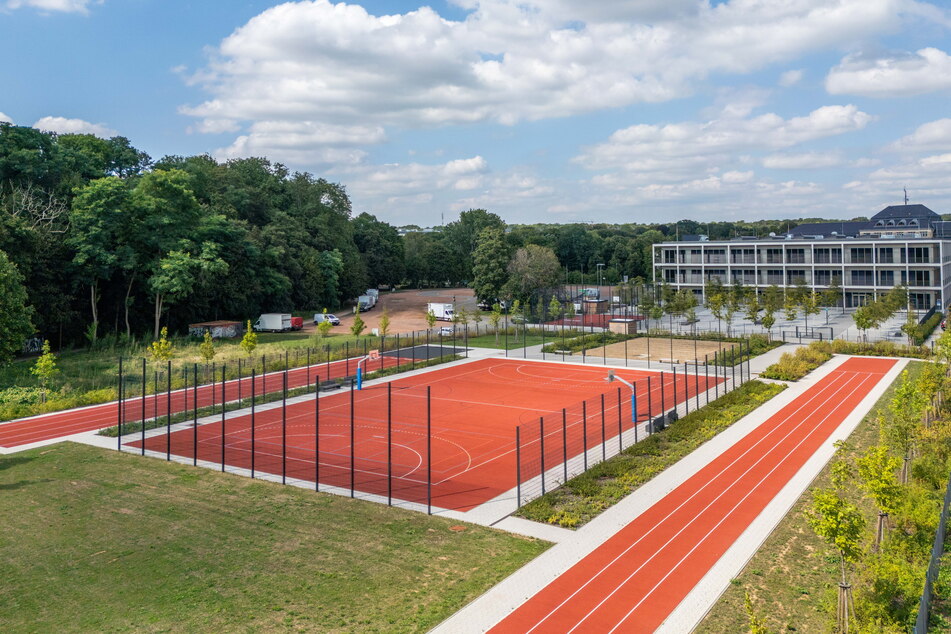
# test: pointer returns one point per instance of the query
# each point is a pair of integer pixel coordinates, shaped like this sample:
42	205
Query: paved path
663	545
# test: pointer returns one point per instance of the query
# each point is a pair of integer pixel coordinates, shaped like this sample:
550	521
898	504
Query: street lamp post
600	266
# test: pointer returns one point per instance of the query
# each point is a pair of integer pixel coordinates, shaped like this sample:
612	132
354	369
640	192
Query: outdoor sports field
447	435
633	580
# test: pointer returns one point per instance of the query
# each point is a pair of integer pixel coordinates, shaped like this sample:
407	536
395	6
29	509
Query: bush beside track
793	366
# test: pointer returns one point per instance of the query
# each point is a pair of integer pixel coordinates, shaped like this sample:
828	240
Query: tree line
100	241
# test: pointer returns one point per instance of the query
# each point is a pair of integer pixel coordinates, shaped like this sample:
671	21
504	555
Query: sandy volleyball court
660	349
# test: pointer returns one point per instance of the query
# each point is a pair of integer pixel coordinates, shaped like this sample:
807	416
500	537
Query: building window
796	256
920	301
795	277
670	256
774	276
919	278
886	255
919	255
886	278
863	278
861	255
823	277
670	275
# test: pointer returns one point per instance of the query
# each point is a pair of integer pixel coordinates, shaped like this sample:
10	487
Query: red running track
633	581
475	408
59	424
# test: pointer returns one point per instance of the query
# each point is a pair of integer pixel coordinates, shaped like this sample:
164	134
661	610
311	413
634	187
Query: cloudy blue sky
538	110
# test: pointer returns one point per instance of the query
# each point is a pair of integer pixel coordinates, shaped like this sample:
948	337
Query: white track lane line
685	501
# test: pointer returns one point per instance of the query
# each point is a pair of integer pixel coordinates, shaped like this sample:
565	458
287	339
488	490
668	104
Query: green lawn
98	541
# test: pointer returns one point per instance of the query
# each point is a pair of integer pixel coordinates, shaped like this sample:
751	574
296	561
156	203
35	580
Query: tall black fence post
284	429
223	408
564	442
317	433
541	441
195	421
674	384
650	408
584	432
686	390
696	381
706	376
429	452
663	403
716	373
144	386
353	459
168	413
604	439
253	398
518	467
122	406
389	444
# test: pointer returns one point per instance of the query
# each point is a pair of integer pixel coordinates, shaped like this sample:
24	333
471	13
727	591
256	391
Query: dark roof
826	228
906	211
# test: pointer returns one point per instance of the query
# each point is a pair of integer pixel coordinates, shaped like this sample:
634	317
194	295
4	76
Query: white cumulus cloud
790	78
805	160
934	135
5	119
62	125
315	62
645	147
927	70
62	6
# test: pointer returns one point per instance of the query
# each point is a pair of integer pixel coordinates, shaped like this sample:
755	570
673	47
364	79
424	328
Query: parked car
333	319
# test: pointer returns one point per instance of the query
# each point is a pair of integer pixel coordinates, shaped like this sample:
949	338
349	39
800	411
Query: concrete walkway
498	602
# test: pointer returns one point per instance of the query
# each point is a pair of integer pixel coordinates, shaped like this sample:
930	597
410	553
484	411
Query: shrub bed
794	366
880	349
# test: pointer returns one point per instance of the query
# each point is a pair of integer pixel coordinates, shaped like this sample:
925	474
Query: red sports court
447	436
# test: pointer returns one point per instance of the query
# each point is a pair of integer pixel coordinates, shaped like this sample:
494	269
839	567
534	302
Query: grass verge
585	496
792	577
99	541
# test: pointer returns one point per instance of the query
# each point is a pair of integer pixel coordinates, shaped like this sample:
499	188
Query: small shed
594	306
623	326
219	329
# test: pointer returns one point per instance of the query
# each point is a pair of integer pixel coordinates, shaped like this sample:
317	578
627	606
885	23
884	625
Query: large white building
905	245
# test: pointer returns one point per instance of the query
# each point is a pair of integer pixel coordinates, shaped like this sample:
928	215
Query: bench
326	386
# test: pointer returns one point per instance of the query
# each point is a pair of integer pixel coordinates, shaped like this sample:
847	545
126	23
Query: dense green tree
532	269
381	249
490	262
462	238
15	313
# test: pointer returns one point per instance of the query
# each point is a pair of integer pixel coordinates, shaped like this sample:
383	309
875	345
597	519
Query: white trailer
443	312
273	322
